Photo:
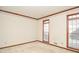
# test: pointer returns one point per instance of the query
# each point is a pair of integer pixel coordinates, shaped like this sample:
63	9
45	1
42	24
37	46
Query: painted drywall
58	28
15	29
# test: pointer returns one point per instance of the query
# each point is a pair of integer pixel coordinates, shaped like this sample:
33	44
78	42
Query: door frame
43	31
67	41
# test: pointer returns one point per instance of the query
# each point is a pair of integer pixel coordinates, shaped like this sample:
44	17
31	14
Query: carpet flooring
34	47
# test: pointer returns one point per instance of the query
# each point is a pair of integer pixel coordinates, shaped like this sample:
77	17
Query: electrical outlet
55	43
61	43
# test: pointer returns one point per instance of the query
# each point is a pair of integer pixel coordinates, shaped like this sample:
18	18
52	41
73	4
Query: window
73	31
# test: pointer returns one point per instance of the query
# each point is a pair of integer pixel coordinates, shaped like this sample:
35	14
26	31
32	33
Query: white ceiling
35	11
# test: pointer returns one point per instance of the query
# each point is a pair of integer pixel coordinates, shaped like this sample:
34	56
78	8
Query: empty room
39	29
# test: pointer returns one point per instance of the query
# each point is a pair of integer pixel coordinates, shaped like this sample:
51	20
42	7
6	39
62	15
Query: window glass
46	30
70	17
74	16
78	15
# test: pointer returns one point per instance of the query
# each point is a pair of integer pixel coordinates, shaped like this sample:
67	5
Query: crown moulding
40	17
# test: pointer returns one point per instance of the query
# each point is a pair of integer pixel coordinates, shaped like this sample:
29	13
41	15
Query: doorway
73	31
46	31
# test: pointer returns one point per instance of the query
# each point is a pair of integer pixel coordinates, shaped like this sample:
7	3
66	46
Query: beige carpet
35	47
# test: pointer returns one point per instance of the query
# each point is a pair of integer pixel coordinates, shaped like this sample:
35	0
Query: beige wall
57	27
16	29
